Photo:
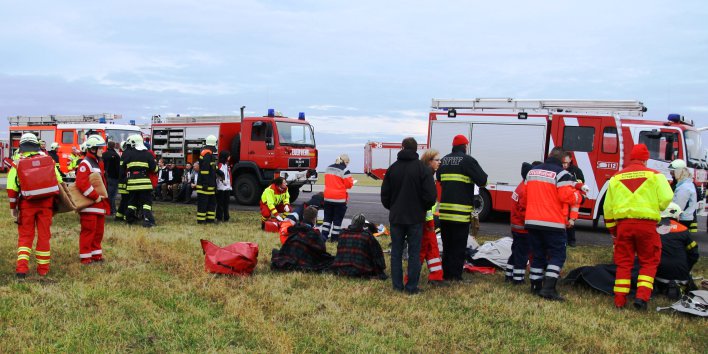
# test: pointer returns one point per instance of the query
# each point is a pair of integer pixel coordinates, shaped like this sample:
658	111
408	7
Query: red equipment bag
37	177
477	269
272	225
238	258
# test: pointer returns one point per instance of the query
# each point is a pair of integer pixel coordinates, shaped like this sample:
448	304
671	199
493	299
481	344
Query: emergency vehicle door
260	148
583	136
665	145
67	140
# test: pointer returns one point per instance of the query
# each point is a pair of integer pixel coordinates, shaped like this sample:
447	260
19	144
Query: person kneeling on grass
304	249
358	252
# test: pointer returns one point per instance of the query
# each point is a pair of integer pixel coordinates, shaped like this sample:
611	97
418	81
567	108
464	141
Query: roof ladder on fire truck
624	107
156	119
60	119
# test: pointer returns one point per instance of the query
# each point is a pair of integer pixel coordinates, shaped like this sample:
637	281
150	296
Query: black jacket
576	172
111	161
678	255
458	174
408	189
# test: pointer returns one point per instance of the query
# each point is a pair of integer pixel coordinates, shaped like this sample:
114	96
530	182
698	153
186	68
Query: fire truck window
258	133
578	138
67	137
661	146
609	140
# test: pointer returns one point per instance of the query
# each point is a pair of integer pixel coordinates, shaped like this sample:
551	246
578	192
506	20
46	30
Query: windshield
693	145
119	135
295	134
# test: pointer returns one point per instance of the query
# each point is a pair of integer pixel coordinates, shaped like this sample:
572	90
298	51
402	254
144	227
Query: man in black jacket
458	174
408	191
111	161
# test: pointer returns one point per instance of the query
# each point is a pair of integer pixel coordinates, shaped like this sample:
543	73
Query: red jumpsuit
35	213
429	251
92	218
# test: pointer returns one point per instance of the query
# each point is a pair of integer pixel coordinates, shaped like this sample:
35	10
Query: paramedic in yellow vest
30	214
635	198
275	201
74	159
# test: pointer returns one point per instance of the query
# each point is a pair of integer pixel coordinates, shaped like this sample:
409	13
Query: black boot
549	289
536	286
148	219
640	304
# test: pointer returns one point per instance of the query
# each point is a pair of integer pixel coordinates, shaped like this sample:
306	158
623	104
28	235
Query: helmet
54	146
672	211
123	145
29	138
211	140
94	141
677	164
136	141
82	147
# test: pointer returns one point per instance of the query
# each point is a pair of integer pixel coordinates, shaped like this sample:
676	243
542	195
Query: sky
360	70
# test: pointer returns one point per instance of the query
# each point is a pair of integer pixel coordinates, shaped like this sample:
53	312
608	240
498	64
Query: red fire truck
68	131
503	133
378	156
261	148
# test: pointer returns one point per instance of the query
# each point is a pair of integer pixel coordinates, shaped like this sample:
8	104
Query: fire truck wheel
247	190
294	193
483	204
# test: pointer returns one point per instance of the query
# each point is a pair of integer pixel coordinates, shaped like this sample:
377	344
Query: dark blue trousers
548	253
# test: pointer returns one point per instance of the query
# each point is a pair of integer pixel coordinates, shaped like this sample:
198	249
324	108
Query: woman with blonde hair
338	180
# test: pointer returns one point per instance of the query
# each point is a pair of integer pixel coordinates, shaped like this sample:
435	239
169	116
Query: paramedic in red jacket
93	217
548	187
516	266
337	181
30	213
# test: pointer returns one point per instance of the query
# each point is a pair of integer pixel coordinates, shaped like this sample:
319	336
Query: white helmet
211	140
136	141
94	141
82	147
677	164
54	146
29	138
123	145
672	211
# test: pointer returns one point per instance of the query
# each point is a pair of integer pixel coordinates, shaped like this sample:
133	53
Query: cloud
369	125
331	107
174	86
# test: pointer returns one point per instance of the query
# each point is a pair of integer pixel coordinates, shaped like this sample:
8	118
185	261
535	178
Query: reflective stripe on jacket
337	181
272	197
458	174
14	188
87	166
636	192
548	187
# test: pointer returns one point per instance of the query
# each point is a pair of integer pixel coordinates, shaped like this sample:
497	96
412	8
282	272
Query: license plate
299	163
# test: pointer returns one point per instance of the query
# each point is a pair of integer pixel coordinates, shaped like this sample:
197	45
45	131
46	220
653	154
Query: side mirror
269	143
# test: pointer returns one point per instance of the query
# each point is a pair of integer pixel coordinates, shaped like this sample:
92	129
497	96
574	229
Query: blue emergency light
675	117
271	112
102	120
132	122
301	116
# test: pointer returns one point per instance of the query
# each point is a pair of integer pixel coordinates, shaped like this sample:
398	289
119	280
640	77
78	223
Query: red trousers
638	237
91	237
265	212
29	219
430	253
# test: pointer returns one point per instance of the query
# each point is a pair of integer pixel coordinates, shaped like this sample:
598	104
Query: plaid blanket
359	255
304	250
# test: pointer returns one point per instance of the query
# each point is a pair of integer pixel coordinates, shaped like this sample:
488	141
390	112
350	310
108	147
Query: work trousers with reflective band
430	253
140	200
29	220
692	225
516	265
548	248
636	237
454	238
206	208
268	214
333	216
92	226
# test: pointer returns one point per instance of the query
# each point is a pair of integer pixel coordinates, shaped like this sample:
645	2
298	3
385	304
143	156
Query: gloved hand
287	208
585	189
280	217
571	223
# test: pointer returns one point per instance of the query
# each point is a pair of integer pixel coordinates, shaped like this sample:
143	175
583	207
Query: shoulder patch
82	168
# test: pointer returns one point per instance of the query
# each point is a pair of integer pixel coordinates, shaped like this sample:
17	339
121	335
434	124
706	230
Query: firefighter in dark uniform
138	163
206	183
458	174
678	255
122	182
55	156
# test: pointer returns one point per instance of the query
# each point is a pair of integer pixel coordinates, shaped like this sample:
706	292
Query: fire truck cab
261	148
599	134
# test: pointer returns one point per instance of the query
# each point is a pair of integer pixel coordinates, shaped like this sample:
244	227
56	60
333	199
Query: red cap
639	152
460	140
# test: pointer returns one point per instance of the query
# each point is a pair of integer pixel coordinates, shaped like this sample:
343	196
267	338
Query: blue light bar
102	120
271	112
301	116
674	117
132	122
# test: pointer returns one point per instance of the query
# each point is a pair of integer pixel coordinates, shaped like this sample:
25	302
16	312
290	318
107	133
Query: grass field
152	295
363	180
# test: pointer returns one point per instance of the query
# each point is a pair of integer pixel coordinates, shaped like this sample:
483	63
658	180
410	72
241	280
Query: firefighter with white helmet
122	182
206	182
92	218
31	189
685	195
138	164
678	254
55	156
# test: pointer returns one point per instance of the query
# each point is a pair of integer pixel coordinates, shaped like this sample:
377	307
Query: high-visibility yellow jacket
636	192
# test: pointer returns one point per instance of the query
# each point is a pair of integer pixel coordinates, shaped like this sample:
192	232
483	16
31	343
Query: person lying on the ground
304	249
358	252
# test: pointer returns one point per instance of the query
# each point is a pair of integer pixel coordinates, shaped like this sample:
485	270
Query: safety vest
73	162
272	197
637	192
549	192
17	186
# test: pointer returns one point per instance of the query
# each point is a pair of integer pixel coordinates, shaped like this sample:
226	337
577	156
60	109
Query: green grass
153	295
363	180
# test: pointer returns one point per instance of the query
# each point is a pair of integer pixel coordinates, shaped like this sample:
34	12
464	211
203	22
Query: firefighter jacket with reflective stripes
14	188
518	209
88	166
636	192
678	254
337	181
206	183
123	172
686	198
458	173
548	188
55	157
139	163
272	197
